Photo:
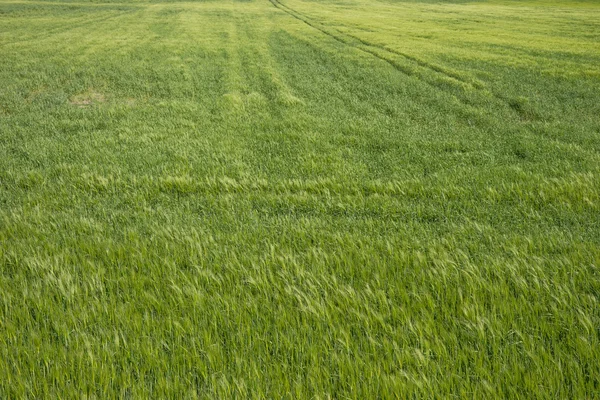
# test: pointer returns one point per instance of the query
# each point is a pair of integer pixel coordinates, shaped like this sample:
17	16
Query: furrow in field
434	67
450	82
350	39
466	90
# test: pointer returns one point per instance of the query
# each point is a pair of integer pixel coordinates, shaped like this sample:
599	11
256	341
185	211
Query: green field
300	199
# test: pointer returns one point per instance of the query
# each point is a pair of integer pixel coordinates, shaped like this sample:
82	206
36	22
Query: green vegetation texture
300	199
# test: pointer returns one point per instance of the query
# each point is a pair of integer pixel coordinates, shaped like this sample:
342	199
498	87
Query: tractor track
376	50
372	48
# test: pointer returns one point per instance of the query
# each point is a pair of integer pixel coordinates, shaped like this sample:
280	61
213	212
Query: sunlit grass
298	199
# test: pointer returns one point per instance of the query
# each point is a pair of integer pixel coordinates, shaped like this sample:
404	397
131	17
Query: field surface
300	199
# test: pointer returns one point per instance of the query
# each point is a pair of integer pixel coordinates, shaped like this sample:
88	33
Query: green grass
300	199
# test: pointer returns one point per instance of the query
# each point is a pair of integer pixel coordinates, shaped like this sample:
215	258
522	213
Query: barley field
300	199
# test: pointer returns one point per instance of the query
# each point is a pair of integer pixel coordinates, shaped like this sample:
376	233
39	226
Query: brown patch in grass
87	99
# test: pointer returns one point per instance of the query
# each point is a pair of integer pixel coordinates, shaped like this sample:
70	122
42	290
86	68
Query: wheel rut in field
372	49
418	69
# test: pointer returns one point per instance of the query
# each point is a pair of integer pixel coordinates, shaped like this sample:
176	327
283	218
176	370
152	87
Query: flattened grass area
299	199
